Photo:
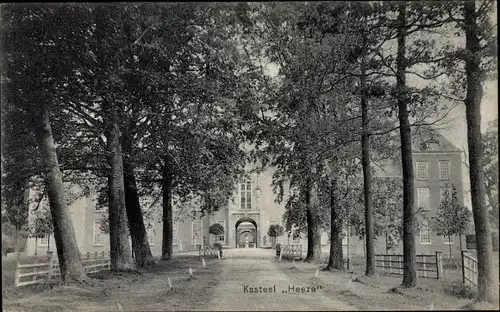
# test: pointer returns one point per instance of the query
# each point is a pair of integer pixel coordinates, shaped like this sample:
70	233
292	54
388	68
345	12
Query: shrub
275	230
218	246
216	229
461	290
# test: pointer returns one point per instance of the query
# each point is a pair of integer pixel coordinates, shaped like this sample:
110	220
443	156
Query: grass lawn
373	293
8	272
139	292
382	292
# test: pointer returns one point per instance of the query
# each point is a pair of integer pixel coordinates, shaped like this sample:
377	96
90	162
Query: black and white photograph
249	156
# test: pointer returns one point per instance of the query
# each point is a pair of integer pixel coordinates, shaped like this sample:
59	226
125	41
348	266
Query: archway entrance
246	233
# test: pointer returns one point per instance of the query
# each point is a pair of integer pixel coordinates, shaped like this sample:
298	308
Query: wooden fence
293	251
32	270
428	266
211	252
469	269
36	269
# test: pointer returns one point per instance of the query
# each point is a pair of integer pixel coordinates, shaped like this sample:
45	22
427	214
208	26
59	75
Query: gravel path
256	268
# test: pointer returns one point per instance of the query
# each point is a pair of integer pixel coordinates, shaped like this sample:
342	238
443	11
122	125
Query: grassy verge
374	293
138	292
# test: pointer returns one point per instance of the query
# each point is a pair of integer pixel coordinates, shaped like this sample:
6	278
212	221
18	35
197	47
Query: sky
456	130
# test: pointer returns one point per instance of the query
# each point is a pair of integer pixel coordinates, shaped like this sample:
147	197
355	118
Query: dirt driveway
250	280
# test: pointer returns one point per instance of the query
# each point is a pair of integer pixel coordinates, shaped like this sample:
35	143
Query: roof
429	140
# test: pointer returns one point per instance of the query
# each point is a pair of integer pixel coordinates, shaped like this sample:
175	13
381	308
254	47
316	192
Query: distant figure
246	241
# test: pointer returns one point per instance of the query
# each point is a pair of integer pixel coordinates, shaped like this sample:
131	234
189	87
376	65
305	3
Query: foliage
216	229
461	290
275	230
8	237
41	224
452	218
490	169
387	202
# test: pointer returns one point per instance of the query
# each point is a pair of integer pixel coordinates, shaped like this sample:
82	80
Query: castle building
248	215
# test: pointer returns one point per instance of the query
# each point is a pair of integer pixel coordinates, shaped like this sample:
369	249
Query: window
151	235
98	235
196	233
423	198
422	170
221	238
448	240
246	195
425	234
444	169
43	241
175	228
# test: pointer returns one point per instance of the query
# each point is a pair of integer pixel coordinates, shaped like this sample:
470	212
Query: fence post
439	265
35	269
49	253
18	269
424	265
474	272
463	265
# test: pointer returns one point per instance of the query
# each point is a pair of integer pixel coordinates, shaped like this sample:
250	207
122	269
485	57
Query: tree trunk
335	260
409	255
140	245
64	234
167	248
486	284
313	225
449	245
21	204
367	189
17	240
386	244
120	252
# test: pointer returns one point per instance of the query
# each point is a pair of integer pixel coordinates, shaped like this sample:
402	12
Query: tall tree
409	254
31	86
474	32
120	253
64	234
